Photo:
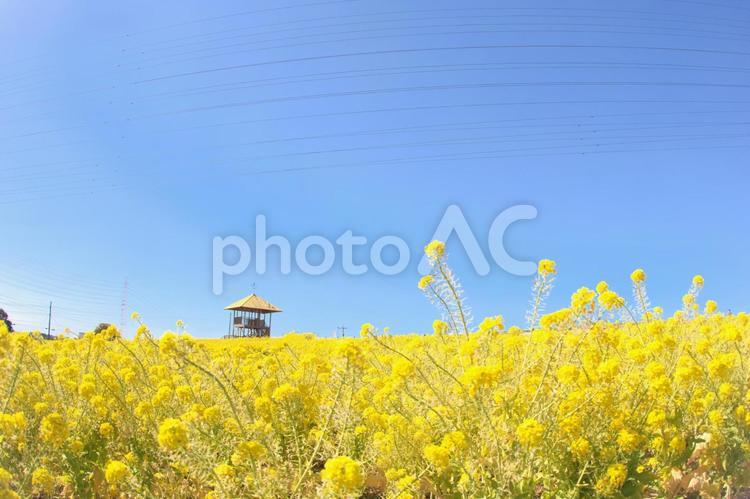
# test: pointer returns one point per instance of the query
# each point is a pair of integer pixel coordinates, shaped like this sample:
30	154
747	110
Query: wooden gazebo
250	317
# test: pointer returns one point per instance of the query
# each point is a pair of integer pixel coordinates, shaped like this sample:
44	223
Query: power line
495	154
416	50
543	28
437	107
429	69
534	12
590	127
243	13
425	88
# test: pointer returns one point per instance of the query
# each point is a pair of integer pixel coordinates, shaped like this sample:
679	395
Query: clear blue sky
131	134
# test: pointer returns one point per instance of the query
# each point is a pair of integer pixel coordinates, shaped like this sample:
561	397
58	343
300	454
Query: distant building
250	317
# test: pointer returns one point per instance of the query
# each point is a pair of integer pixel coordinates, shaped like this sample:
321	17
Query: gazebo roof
253	303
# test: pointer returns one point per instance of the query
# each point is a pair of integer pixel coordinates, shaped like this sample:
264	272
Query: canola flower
342	475
602	398
172	433
115	472
530	432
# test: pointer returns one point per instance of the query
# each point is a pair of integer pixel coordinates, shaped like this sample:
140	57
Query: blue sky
133	134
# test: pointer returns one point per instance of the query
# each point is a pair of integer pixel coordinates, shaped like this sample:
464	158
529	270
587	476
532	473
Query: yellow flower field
598	399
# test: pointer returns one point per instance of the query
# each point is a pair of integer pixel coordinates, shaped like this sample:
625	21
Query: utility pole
342	329
49	321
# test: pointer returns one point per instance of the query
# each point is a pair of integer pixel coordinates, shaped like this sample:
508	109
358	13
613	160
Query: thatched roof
253	303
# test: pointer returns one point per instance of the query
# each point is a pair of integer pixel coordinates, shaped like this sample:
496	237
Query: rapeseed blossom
343	475
172	434
530	432
638	275
53	429
424	281
43	481
435	250
609	300
547	267
438	456
115	472
602	398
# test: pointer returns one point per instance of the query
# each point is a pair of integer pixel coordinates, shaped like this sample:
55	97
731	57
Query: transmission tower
123	306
